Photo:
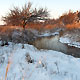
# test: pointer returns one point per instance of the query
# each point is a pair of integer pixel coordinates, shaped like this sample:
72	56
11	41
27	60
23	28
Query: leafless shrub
67	18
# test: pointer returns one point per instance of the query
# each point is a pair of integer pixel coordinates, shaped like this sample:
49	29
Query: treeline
27	17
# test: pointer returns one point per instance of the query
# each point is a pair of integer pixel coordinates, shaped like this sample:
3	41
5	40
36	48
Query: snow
47	65
65	40
49	34
70	42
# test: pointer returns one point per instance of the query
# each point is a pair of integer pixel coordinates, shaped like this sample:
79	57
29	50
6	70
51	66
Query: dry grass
5	28
8	65
41	26
73	26
7	68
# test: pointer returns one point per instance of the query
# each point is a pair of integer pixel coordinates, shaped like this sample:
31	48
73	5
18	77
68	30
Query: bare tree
35	16
20	16
68	18
13	17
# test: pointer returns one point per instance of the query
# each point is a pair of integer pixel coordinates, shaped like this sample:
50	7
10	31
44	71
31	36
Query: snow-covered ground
47	64
69	41
46	34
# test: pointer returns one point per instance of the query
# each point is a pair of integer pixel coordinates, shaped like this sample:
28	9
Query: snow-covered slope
47	64
70	42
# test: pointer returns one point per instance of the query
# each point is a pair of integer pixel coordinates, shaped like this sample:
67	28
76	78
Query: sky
55	7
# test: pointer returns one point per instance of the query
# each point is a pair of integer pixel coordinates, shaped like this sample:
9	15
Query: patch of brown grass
73	26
